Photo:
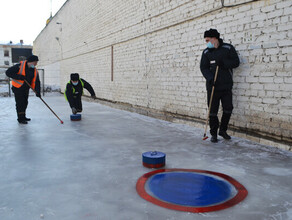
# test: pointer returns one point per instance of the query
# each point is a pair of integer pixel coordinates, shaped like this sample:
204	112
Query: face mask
210	45
32	66
75	84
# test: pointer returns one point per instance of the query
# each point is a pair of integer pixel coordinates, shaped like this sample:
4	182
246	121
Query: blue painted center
189	189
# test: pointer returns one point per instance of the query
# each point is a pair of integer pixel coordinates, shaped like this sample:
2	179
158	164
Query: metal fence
42	79
6	81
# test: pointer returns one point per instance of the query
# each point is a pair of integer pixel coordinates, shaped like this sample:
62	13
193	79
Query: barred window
6	53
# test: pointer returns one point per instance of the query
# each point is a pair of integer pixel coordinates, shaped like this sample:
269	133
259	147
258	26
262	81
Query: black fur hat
212	33
32	58
74	76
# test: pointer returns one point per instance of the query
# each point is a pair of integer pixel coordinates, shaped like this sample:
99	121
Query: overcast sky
25	19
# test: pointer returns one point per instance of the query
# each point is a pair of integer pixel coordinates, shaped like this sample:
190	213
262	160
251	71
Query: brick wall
156	48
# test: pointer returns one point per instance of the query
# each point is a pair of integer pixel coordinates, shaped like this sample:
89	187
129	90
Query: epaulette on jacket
227	46
206	51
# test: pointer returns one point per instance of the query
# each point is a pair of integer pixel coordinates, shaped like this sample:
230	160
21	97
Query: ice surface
88	169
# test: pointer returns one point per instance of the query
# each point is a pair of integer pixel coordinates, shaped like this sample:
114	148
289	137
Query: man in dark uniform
74	91
25	70
223	55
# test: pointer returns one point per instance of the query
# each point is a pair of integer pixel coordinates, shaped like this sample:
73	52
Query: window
6	53
6	62
22	58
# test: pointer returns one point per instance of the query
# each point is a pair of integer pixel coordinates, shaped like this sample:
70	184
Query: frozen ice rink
88	169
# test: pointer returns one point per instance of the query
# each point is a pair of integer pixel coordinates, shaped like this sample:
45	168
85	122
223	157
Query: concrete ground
89	169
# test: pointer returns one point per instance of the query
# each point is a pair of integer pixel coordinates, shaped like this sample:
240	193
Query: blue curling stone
76	117
153	159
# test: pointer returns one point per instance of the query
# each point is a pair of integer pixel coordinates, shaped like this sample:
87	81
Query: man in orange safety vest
25	70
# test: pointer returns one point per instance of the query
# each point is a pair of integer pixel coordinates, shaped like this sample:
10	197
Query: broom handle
44	102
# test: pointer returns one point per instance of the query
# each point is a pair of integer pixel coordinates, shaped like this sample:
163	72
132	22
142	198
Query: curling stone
76	117
153	159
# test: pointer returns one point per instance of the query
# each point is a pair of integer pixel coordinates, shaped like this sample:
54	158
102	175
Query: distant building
11	54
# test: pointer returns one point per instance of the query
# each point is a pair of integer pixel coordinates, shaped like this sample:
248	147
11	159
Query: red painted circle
241	192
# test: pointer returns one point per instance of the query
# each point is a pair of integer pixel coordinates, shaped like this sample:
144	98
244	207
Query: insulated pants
21	100
226	100
77	103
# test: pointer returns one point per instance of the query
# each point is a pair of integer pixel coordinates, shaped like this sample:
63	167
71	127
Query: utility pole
51	9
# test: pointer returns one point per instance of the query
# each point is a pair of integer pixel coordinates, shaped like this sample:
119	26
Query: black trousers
21	100
225	97
77	103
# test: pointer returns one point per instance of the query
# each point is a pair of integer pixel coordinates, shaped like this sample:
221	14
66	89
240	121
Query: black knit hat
32	58
212	33
74	76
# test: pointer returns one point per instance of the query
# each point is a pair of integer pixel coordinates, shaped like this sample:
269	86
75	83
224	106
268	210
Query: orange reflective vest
18	83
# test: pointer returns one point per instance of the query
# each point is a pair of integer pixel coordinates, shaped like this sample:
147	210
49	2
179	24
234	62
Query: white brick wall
157	50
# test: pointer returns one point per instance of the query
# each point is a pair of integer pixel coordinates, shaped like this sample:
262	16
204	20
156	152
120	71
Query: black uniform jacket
29	74
226	57
78	91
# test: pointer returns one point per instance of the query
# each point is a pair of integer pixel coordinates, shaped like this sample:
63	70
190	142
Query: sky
25	19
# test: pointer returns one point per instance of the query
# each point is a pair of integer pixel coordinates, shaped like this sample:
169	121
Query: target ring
190	190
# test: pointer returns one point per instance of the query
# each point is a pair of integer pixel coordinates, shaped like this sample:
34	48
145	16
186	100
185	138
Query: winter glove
38	94
74	110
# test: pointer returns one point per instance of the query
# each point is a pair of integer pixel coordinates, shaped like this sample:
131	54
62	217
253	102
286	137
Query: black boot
214	124
214	139
224	135
27	119
21	118
22	121
224	125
